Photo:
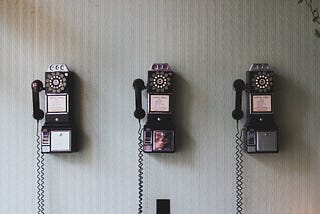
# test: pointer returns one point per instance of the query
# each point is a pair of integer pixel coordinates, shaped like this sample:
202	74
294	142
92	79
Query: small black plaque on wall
163	206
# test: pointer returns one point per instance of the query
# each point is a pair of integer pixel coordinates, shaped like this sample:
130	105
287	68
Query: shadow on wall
292	104
291	107
82	138
181	103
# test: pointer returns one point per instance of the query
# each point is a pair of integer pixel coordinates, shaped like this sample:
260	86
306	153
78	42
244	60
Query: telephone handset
56	133
138	86
36	87
239	86
158	132
261	132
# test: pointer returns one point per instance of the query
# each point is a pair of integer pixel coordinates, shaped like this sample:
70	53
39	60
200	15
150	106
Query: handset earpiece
138	86
239	86
36	87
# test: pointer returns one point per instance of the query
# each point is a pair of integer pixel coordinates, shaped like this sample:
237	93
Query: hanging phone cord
239	170
40	174
140	167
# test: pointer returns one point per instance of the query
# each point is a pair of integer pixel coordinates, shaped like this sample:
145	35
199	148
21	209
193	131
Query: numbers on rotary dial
56	82
262	81
160	81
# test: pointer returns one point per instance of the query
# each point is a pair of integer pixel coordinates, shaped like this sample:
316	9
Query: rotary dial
56	82
160	81
262	81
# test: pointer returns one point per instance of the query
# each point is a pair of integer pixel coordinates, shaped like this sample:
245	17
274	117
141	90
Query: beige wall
209	44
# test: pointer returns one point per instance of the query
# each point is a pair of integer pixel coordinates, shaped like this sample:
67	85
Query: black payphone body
158	132
261	132
57	131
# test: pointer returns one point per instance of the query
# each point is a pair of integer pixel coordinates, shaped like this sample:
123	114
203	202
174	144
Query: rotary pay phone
158	132
260	130
57	131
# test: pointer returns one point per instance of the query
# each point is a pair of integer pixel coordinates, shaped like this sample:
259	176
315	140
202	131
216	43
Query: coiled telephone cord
40	174
140	168
239	170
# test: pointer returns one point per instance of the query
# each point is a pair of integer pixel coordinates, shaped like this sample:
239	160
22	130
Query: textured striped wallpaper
208	43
